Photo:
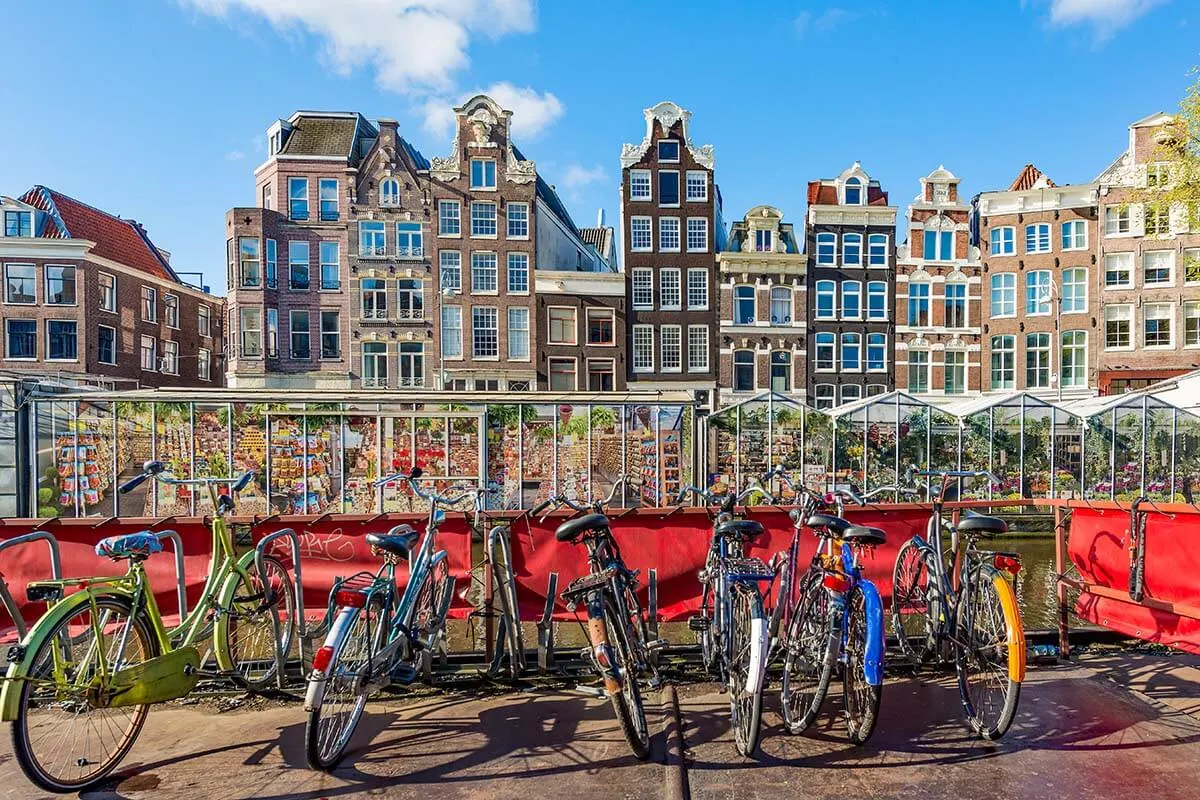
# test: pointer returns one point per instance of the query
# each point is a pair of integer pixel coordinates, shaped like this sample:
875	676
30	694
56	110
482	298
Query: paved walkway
1116	726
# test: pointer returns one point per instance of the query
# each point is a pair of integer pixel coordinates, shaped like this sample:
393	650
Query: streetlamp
444	292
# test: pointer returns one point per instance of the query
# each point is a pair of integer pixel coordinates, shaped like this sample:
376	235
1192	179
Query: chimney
600	218
388	124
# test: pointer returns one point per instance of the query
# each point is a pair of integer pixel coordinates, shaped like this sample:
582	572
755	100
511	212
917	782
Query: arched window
781	371
877	300
876	352
851	300
781	305
826	290
853	192
389	192
826	249
852	249
825	358
412	299
743	305
743	370
877	250
851	352
824	395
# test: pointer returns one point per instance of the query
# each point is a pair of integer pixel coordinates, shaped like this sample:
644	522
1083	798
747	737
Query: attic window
853	192
18	223
668	151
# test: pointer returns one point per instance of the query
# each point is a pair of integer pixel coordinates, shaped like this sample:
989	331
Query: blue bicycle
838	619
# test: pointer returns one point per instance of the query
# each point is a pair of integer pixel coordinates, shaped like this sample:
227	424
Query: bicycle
965	612
104	651
732	625
838	619
377	631
621	652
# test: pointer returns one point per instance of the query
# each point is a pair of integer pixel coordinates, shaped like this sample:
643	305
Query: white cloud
414	46
578	177
234	155
807	22
533	112
1105	16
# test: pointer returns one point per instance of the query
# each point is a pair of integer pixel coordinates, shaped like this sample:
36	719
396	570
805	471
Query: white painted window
643	288
669	289
1118	270
518	334
1157	266
697	186
449	218
697	235
452	332
1037	238
643	348
640	238
668	234
1118	327
1074	359
1157	324
697	348
698	289
671	348
1074	290
639	185
1074	235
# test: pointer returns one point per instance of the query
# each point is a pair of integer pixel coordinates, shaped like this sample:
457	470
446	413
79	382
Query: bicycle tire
432	604
627	703
325	752
23	740
915	608
745	708
811	654
860	695
707	637
253	666
988	617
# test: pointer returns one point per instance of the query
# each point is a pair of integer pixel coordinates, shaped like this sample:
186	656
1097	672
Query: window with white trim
826	249
1157	221
563	325
744	305
297	265
781	371
374	365
1038	292
171	310
955	371
852	249
697	186
108	292
643	348
249	265
272	333
668	188
1074	235
877	307
1003	241
1191	323
373	293
60	284
518	333
327	195
18	223
877	250
483	219
389	192
1074	290
1158	175
485	332
1157	266
331	334
1157	324
781	305
1118	327
149	304
483	272
670	348
170	357
204	320
1004	295
851	392
851	352
298	198
1004	362
62	340
918	303
1117	221
411	358
955	304
372	238
1037	360
1037	238
826	294
697	289
697	348
668	151
1191	265
452	332
149	353
939	244
640	238
410	298
272	264
697	235
450	268
825	396
331	266
918	371
204	364
483	173
743	370
298	334
561	374
518	273
764	241
639	185
518	220
876	352
1073	358
668	234
601	323
852	193
251	331
669	290
410	240
1118	270
825	353
642	279
851	300
449	218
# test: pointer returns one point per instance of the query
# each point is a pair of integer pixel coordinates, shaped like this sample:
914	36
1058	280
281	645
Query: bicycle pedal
656	645
699	624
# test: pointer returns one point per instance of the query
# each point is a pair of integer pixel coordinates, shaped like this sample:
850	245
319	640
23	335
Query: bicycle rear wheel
746	626
808	665
62	740
914	602
628	702
861	697
247	632
331	724
988	630
707	637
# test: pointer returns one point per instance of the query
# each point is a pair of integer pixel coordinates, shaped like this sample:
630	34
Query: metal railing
55	572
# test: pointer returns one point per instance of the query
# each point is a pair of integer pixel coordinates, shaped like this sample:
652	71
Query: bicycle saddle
981	525
398	541
140	545
835	525
739	528
572	529
862	534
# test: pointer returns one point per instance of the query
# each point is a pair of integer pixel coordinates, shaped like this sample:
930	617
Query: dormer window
389	192
18	223
483	173
668	151
764	241
853	194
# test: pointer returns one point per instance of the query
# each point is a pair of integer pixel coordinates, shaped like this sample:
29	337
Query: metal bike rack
546	627
260	551
652	602
55	572
180	576
510	621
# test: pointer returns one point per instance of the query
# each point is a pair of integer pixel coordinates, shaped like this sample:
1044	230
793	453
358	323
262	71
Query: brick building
763	308
581	327
87	294
671	230
1039	261
368	265
1148	279
851	276
938	287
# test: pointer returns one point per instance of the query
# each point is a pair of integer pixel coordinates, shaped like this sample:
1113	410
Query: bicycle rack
652	604
546	627
55	572
510	621
260	551
180	576
1137	550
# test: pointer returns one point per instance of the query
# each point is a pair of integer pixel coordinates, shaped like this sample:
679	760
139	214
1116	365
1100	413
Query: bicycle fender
336	639
10	695
1014	628
876	643
437	558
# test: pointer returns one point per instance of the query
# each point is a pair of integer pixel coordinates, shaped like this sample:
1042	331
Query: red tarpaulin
1099	548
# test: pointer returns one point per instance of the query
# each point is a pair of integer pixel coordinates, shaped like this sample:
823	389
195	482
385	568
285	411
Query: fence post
546	627
1060	569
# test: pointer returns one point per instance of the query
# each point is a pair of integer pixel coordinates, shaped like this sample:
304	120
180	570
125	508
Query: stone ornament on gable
668	115
482	122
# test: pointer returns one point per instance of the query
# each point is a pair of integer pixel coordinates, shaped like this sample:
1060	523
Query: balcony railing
410	252
411	314
374	383
412	382
374	315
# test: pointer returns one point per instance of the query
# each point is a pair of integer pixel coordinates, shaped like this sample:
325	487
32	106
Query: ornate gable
668	115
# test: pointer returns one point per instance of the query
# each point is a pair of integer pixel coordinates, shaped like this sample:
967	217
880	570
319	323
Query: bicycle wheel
745	707
986	626
331	724
811	653
62	740
914	602
627	702
861	697
247	632
707	637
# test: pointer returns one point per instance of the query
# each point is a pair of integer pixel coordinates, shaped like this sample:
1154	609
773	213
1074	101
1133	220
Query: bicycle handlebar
431	496
559	500
157	471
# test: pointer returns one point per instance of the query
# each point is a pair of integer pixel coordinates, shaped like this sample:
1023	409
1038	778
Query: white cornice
668	114
1079	195
604	284
44	248
851	215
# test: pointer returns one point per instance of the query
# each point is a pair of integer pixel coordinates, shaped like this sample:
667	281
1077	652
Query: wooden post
1060	569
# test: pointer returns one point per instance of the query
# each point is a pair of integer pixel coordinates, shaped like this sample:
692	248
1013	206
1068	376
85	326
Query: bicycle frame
759	635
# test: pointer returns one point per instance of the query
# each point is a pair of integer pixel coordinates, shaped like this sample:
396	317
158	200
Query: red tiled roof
120	240
1028	177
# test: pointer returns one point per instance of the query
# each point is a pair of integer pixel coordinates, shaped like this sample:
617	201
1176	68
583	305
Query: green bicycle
81	682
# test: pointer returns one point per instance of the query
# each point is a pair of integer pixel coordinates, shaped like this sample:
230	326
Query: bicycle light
1007	563
836	582
350	598
321	658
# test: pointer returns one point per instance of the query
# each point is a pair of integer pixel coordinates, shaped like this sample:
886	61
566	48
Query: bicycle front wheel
332	722
747	629
990	653
861	696
628	702
247	634
914	602
63	740
811	652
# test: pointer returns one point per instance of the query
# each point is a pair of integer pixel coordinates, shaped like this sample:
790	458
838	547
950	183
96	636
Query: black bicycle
621	651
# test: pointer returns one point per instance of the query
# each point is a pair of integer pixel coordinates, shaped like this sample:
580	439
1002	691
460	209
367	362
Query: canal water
1037	584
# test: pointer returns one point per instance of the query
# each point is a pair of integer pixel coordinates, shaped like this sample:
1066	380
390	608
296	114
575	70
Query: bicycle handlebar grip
537	511
133	483
244	481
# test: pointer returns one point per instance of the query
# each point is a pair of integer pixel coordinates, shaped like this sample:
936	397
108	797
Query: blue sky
156	109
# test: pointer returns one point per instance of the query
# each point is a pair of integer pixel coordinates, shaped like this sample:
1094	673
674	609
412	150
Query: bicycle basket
748	569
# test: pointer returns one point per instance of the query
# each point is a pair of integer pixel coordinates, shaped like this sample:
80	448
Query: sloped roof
1028	178
117	239
599	238
323	134
419	161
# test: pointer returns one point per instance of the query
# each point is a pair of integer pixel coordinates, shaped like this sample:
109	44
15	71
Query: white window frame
678	151
608	313
1041	236
668	230
642	352
445	206
1191	311
1031	357
564	325
963	299
482	219
450	264
322	185
517	320
485	316
1002	241
517	213
640	227
1042	307
204	364
481	274
1161	311
1126	265
204	321
1078	238
851	339
913	303
826	288
1080	293
411	249
1120	312
662	173
752	291
702	183
784	293
294	247
149	298
108	293
698	343
635	178
697	231
171	302
1079	370
364	236
1116	218
482	185
670	336
115	341
1158	253
452	332
852	237
697	289
293	333
389	192
670	286
574	362
828	239
1010	290
852	289
170	357
517	264
870	314
823	339
824	396
1010	349
642	281
925	369
295	181
153	359
881	240
867	352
